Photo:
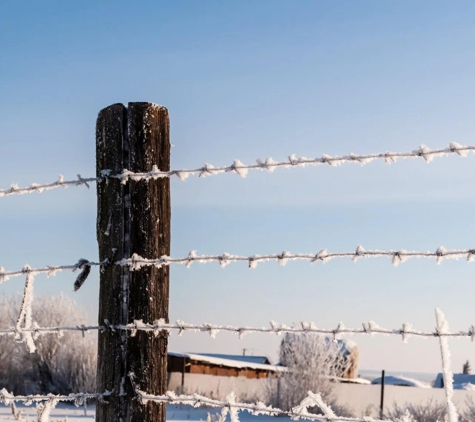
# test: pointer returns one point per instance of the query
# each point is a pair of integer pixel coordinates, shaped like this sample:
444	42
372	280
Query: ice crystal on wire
443	328
253	262
239	168
399	257
459	149
321	256
25	319
441	252
224	260
208	170
191	257
358	253
268	164
425	153
283	258
328	159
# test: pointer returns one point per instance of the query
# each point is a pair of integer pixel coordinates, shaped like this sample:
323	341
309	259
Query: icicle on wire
23	333
242	169
443	327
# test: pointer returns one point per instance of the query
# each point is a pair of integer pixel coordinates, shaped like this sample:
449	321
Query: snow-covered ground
69	413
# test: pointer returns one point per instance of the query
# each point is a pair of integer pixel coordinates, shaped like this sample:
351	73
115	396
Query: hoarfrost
443	328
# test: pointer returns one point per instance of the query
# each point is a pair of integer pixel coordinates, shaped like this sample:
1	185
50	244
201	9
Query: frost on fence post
442	330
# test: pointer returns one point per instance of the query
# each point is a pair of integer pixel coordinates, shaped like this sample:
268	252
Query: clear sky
251	80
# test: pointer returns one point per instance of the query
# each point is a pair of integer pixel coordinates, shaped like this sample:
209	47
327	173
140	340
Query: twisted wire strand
367	328
242	169
136	262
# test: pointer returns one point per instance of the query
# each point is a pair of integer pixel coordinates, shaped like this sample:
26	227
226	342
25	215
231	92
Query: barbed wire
227	406
50	270
36	187
242	169
232	407
367	328
136	262
78	398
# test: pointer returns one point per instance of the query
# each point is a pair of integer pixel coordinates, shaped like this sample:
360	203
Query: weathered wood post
132	217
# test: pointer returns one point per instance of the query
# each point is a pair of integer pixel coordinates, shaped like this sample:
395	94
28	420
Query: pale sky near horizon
252	80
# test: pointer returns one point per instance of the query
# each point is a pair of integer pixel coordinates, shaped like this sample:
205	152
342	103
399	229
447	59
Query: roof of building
351	380
229	363
404	381
459	380
244	358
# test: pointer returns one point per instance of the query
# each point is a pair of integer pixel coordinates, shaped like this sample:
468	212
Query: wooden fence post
132	218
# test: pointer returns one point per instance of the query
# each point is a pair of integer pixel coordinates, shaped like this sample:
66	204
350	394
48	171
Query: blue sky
251	80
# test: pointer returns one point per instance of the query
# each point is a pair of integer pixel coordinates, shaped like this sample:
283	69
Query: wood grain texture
132	218
149	140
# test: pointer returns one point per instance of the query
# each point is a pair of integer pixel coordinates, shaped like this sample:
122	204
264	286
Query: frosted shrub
430	411
310	361
62	363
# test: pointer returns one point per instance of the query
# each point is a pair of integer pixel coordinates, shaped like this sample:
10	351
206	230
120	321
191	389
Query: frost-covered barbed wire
77	398
83	264
136	261
46	403
242	169
229	405
367	328
232	407
36	187
443	327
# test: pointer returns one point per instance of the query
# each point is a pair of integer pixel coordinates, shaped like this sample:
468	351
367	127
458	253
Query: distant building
401	381
222	365
461	381
264	360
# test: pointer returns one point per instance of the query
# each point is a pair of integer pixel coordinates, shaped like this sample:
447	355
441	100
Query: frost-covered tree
12	366
311	363
62	363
